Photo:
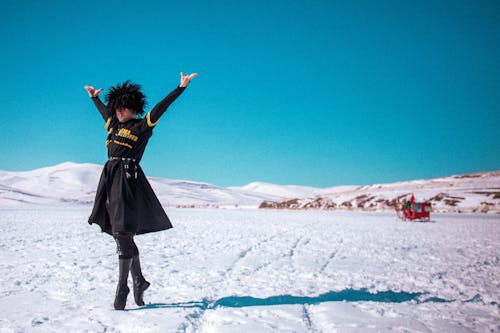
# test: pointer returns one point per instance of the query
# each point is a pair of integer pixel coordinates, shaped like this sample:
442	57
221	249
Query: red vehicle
412	210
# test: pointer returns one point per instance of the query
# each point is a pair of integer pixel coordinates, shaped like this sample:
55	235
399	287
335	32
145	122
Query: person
125	204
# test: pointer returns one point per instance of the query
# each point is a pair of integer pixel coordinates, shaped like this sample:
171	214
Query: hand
185	79
92	91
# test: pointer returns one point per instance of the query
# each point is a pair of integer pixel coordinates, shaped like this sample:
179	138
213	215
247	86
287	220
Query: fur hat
126	95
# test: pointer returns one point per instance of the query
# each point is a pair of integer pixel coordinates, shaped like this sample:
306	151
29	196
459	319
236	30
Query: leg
140	283
125	248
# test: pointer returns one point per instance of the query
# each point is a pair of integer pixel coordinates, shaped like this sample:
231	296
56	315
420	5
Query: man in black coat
125	204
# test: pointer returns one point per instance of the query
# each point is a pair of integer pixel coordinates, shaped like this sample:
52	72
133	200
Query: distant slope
64	183
73	183
476	192
284	191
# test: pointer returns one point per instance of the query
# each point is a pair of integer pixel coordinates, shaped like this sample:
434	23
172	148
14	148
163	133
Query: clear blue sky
318	93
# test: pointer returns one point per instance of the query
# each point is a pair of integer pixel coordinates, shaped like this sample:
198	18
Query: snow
249	270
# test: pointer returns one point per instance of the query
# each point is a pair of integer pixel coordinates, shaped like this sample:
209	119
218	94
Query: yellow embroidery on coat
107	142
125	133
110	130
107	123
150	123
122	144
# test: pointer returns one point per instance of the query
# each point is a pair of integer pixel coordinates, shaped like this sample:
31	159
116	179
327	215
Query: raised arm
94	94
154	115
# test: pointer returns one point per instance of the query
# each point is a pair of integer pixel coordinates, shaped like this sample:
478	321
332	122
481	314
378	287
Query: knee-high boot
122	289
140	283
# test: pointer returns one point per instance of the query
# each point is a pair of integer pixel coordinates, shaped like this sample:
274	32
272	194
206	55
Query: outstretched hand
93	92
185	79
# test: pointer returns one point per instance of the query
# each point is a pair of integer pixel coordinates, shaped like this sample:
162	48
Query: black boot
122	289
140	283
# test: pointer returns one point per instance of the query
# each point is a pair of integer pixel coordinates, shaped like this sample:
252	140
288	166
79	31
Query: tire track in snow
243	254
193	321
328	261
330	257
291	252
306	317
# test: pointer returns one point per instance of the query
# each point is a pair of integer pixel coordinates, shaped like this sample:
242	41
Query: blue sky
318	93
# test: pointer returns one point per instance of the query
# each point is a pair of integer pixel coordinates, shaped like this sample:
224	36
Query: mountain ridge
75	183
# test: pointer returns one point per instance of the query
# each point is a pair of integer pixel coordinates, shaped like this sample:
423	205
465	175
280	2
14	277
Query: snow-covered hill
72	183
476	192
63	183
283	191
76	184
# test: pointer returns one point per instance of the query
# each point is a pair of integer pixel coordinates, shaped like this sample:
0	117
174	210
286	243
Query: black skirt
125	201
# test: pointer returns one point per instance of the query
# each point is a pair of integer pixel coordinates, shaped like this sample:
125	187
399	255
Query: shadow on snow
348	295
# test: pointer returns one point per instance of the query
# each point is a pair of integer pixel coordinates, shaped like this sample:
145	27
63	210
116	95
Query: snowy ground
255	271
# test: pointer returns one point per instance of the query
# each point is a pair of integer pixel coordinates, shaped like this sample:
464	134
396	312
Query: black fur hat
126	95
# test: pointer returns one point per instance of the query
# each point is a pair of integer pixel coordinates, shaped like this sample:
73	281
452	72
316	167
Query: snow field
254	271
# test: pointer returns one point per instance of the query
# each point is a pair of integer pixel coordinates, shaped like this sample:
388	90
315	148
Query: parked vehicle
412	211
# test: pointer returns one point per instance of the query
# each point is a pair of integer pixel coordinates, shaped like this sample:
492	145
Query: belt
127	159
126	165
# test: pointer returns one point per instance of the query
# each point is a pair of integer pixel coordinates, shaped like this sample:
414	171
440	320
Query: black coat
125	201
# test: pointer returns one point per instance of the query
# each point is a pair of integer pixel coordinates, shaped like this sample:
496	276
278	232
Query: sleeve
103	110
153	116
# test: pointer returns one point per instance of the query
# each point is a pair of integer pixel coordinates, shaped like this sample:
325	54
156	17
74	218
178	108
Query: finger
192	75
98	91
182	75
